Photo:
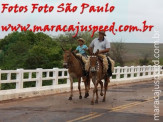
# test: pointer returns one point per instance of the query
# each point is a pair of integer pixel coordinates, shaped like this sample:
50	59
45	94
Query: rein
98	63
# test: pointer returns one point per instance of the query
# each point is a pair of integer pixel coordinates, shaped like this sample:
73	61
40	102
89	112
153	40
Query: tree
117	52
29	50
145	60
68	41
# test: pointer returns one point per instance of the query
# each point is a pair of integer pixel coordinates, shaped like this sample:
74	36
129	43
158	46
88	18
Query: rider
82	48
103	45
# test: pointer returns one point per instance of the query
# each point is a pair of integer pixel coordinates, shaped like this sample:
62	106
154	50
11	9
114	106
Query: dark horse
97	74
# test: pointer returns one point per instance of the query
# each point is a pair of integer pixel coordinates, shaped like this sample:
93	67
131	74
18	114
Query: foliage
145	60
29	51
67	40
117	52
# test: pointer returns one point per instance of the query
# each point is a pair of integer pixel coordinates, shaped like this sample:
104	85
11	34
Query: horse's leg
79	81
71	87
96	87
94	90
107	80
101	83
86	83
86	89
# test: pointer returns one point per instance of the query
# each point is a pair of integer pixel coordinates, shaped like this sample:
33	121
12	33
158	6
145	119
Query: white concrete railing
120	73
42	75
38	76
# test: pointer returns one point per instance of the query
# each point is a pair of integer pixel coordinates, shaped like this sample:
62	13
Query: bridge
129	96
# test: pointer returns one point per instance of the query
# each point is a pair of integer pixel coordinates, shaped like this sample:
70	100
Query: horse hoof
92	103
70	98
86	95
103	100
80	97
101	94
96	101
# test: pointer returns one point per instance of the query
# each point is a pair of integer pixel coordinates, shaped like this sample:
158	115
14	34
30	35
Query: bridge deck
125	103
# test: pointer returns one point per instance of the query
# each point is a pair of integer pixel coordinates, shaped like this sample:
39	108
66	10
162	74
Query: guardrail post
152	69
118	72
156	72
132	71
39	77
19	78
138	71
68	79
149	70
144	70
125	71
55	73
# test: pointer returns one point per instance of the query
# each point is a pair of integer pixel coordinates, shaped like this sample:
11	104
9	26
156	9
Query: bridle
68	63
96	68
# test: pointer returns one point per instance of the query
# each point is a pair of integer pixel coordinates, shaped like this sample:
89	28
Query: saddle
81	59
104	62
108	63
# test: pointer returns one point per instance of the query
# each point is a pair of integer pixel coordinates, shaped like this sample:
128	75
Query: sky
127	12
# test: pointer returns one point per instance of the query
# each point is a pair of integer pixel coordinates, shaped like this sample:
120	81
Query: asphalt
124	103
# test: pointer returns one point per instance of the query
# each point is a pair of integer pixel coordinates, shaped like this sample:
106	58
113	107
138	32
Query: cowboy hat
102	32
81	39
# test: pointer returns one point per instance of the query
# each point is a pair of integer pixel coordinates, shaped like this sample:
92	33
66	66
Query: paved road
125	103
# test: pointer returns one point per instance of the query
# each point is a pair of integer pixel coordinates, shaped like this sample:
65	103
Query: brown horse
75	69
96	72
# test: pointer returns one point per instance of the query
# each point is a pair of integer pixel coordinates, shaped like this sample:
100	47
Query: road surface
124	103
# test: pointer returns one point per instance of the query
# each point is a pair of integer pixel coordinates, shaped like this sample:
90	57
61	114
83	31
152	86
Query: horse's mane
78	57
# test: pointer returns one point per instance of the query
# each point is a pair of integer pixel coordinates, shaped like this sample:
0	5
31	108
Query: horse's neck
75	67
74	61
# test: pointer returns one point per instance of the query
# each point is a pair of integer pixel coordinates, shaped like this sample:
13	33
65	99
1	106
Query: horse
97	74
75	69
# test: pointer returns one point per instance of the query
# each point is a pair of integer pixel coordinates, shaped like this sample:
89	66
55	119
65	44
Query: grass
136	51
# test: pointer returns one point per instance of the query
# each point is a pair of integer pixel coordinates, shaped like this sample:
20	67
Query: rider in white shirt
103	45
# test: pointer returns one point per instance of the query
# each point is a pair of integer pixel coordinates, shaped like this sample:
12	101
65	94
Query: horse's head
94	65
66	57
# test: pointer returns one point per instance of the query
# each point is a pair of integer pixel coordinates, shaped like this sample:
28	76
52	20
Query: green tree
29	50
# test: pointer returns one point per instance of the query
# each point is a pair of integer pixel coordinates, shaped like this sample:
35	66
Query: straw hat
81	39
102	32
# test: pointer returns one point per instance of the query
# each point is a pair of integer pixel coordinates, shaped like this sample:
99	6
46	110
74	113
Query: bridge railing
39	75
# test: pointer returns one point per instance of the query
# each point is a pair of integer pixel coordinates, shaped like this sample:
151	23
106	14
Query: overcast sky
126	12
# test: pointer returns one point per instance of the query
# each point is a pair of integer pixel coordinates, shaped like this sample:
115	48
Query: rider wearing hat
82	48
100	43
103	45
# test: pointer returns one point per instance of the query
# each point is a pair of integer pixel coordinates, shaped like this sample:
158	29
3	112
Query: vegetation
30	50
117	52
